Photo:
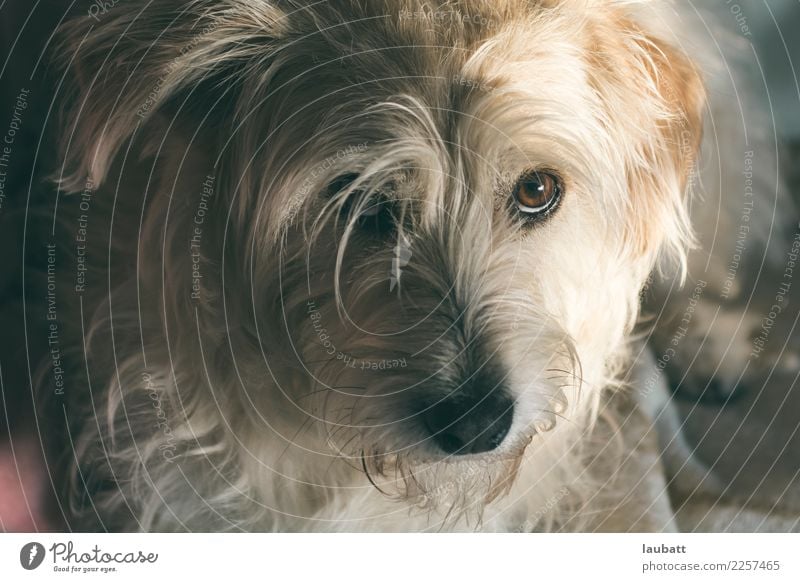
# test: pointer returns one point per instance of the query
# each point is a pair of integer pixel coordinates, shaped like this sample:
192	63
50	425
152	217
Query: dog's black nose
461	425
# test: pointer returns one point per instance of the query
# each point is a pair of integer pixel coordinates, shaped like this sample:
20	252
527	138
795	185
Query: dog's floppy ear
659	98
141	63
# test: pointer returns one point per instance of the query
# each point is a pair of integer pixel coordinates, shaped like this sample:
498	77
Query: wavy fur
219	405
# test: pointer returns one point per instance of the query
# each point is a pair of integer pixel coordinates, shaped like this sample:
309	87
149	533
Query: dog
362	266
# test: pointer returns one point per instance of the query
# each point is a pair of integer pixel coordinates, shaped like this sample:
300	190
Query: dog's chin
427	477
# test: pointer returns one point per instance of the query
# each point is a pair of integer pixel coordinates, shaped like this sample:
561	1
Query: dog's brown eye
537	193
375	216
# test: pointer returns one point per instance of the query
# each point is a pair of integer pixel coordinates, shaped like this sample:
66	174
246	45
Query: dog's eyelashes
537	194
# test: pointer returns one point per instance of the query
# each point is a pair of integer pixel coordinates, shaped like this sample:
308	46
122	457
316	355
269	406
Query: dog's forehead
369	71
382	48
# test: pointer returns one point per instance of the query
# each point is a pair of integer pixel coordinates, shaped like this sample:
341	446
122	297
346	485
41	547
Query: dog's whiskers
369	477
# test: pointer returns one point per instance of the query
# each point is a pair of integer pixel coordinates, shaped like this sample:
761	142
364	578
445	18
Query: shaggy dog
360	265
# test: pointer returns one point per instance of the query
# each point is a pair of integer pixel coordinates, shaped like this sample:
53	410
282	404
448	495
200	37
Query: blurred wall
773	27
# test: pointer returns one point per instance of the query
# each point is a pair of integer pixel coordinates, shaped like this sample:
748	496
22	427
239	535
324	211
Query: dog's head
430	222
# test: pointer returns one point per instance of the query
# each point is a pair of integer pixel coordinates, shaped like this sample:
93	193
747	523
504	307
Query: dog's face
446	215
461	231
